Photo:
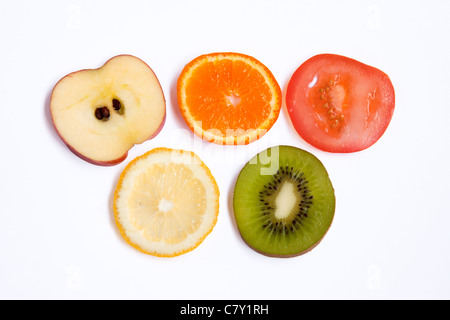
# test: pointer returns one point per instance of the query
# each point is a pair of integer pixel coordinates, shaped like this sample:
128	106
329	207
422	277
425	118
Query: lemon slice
166	202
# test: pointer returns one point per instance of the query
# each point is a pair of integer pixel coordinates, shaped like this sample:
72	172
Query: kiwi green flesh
284	202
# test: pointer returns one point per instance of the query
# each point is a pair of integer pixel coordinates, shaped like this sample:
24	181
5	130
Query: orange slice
166	202
228	98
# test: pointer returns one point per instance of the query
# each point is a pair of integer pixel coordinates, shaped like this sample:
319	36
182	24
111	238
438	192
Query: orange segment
166	202
228	98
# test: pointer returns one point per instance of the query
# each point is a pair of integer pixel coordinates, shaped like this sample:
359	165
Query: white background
390	238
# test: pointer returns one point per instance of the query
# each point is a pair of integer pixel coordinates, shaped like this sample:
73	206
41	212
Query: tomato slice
338	104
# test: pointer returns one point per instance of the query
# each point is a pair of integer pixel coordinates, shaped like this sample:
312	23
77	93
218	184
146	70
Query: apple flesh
100	114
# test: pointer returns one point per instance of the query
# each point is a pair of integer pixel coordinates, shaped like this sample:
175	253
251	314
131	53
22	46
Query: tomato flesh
338	104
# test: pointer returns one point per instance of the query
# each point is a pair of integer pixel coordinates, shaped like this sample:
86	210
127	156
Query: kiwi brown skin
286	255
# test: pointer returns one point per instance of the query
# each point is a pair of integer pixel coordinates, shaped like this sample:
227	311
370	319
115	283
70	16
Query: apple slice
101	114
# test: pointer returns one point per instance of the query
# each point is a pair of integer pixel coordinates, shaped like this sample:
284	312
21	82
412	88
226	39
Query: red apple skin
122	158
98	163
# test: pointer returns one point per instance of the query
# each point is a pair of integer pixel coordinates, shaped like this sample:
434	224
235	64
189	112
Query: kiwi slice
284	202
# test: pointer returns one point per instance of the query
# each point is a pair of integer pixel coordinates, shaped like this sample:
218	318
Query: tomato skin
338	104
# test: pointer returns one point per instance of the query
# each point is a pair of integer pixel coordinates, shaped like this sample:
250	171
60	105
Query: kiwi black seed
285	206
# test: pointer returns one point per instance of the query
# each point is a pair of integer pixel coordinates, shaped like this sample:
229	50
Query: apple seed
105	113
116	104
102	113
99	114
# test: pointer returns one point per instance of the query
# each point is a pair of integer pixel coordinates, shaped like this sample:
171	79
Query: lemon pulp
161	208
